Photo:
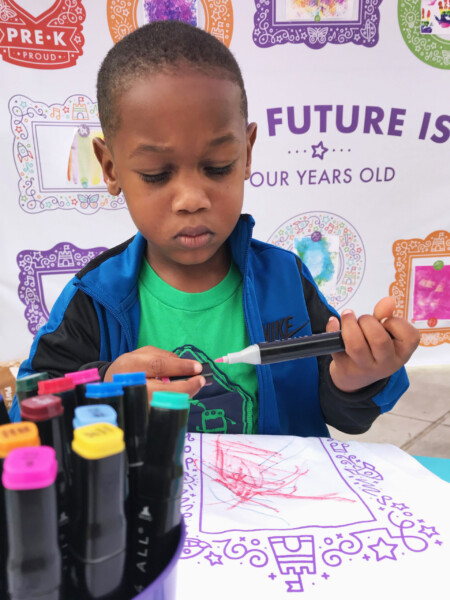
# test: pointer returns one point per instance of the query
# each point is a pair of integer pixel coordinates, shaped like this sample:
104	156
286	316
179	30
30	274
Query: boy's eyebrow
142	148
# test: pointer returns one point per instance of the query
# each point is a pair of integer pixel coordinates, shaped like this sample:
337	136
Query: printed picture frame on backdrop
316	22
62	261
54	157
422	285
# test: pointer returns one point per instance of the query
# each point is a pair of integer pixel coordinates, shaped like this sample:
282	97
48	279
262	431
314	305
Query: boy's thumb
384	308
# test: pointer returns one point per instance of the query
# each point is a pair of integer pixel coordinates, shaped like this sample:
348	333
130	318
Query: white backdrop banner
350	167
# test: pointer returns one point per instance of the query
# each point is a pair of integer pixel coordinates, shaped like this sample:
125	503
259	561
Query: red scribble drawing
252	474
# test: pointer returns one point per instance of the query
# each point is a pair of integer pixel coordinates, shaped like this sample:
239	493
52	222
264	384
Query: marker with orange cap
12	436
34	559
98	525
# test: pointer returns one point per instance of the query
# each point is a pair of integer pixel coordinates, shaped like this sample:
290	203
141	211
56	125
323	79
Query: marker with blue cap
94	413
110	393
155	522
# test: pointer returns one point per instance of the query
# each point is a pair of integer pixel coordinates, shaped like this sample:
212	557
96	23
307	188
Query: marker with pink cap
34	558
80	380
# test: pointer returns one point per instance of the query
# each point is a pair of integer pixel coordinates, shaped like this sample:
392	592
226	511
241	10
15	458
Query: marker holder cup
164	586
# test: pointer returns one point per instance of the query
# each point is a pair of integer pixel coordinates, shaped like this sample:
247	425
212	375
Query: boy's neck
194	279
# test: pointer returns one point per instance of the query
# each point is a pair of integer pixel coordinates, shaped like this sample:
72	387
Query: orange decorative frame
122	18
436	245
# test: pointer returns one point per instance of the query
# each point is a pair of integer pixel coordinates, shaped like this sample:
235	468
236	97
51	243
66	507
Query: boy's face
181	156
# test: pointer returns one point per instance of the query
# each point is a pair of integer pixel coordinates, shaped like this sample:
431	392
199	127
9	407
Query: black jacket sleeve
75	344
351	413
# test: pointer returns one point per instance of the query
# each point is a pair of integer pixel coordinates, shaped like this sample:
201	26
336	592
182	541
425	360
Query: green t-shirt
204	326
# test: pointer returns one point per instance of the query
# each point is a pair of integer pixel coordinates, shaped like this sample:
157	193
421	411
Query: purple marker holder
164	586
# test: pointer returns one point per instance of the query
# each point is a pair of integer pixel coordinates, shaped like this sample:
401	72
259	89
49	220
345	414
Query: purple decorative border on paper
77	112
362	32
286	559
33	264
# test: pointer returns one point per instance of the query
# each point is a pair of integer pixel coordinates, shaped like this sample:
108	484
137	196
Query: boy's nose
190	198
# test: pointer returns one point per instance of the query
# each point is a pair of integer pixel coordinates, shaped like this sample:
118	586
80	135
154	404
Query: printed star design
399	505
438	542
428	531
366	557
272	576
319	150
325	575
381	508
242	539
381	549
214	559
339	536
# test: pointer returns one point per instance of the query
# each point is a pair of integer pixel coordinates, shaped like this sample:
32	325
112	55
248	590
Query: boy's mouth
194	237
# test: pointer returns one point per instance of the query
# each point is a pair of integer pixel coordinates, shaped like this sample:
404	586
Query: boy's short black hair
155	47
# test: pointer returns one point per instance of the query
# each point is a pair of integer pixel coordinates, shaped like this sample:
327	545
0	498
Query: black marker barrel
34	559
156	519
47	412
12	436
28	386
4	417
98	525
107	393
80	380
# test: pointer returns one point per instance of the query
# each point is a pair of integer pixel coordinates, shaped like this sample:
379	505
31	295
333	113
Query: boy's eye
219	171
156	178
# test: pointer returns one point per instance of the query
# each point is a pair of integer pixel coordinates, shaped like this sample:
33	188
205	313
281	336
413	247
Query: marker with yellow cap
98	525
12	436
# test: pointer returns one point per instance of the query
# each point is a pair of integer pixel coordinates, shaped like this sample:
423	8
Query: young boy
193	285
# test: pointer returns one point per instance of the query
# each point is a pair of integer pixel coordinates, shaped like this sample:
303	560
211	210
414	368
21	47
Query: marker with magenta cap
34	559
94	413
98	525
267	353
28	386
157	516
47	413
107	393
80	380
12	436
65	389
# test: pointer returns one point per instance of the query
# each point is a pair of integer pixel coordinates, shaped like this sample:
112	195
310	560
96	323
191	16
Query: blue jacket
96	319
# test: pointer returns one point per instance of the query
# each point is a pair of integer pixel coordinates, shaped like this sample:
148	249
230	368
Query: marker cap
94	413
138	378
16	435
86	376
98	440
30	382
41	408
30	468
103	390
55	386
171	400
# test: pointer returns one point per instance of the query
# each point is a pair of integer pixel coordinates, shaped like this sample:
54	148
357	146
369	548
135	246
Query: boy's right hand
160	364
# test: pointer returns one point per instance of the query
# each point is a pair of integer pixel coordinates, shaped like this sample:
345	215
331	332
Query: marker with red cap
34	559
65	389
47	413
80	380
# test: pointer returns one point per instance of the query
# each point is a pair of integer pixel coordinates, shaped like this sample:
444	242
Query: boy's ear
105	158
251	137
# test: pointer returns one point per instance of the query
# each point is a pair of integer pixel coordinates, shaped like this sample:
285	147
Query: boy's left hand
371	353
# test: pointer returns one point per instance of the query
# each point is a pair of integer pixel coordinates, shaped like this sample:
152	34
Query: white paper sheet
286	517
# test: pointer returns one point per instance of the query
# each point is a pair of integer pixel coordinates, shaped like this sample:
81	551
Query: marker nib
218	360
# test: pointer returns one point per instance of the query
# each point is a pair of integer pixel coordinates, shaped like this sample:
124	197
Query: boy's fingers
384	308
188	386
355	343
405	336
333	325
378	339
